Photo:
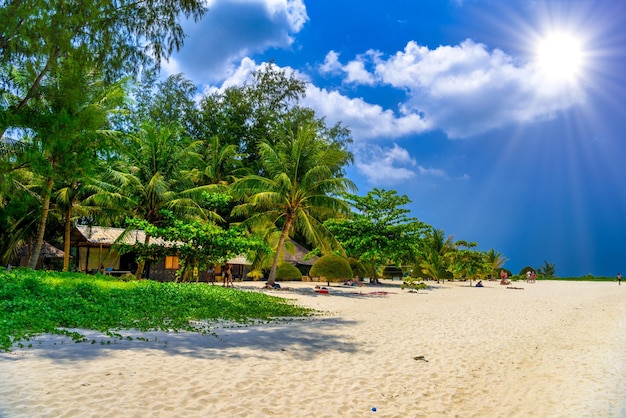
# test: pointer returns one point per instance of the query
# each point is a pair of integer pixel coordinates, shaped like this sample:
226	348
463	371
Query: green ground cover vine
36	302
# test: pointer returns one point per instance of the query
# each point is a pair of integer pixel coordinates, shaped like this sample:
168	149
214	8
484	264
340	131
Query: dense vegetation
36	302
89	134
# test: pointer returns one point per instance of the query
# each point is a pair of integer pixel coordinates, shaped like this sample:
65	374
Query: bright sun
560	55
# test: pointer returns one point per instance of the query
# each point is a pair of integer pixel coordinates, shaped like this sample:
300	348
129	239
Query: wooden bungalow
298	257
95	252
50	258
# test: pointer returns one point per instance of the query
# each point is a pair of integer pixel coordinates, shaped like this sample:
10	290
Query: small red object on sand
321	290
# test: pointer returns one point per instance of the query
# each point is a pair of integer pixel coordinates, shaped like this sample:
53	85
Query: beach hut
50	257
94	252
298	257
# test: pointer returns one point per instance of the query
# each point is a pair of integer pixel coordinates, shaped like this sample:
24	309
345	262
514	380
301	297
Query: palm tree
298	191
148	180
220	163
548	269
69	201
495	261
434	262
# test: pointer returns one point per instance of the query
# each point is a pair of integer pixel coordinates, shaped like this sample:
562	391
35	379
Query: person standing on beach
227	274
619	279
210	273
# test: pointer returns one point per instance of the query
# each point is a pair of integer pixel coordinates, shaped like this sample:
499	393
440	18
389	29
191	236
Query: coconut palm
69	201
148	180
298	191
433	262
548	269
220	164
495	261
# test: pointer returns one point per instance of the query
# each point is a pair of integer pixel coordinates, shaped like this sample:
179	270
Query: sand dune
553	349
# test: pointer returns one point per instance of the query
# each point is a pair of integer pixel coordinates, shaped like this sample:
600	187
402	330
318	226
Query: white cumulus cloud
387	166
232	30
465	89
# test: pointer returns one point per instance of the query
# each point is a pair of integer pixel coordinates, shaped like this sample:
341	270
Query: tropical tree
148	180
63	130
68	199
433	261
332	267
121	37
219	164
465	262
547	270
198	243
495	261
261	109
299	190
379	232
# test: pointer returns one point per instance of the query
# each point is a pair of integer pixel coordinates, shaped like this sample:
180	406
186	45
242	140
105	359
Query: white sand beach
553	349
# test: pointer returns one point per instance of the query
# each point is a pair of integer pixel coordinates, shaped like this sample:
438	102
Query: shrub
358	269
413	284
287	271
332	268
523	271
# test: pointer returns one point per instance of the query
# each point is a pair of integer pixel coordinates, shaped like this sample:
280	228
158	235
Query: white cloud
388	166
232	30
355	70
331	64
465	89
365	120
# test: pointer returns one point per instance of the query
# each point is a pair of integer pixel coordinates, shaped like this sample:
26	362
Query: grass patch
36	302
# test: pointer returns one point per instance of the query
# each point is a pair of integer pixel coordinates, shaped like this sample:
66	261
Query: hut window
171	262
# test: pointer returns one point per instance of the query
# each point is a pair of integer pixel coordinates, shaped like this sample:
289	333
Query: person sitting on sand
479	284
353	282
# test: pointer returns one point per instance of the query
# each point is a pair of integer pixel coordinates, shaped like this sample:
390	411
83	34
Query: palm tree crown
298	189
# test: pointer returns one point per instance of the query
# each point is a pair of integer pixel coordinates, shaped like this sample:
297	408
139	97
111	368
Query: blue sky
503	121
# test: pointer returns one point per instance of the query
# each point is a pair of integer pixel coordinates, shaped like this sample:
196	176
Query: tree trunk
142	264
66	238
41	230
279	248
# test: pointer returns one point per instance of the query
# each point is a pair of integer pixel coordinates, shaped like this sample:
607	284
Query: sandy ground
553	349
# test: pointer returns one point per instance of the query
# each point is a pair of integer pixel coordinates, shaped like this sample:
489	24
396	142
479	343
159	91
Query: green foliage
196	242
547	270
39	37
358	269
494	262
413	284
526	269
332	268
33	302
287	271
299	189
466	262
380	231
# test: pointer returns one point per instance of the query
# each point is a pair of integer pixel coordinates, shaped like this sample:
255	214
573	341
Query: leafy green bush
332	268
358	269
413	283
36	302
287	271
